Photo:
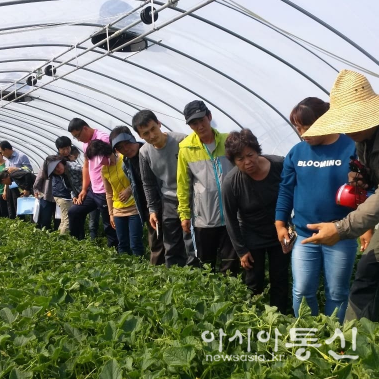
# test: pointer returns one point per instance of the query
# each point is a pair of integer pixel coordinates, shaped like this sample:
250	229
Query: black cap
195	109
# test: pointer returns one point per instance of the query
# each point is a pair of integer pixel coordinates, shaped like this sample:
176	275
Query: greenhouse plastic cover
250	61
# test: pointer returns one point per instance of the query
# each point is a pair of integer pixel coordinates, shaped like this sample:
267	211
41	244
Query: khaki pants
64	205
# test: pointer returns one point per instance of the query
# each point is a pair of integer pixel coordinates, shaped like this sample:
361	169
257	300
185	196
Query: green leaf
18	374
368	327
166	298
31	311
7	315
111	370
218	308
179	356
344	373
110	331
74	332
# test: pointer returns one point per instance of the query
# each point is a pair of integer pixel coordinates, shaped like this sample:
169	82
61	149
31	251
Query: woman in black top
250	191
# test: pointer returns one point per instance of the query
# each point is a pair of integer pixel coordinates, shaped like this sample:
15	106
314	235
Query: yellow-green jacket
200	175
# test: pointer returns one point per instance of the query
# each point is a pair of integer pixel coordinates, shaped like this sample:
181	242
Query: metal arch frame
16	143
250	43
45	128
335	31
95	89
6	3
143	68
232	80
277	31
55	126
164	77
27	146
26	134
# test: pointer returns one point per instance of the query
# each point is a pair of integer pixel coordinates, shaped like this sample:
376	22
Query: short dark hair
98	148
308	111
74	150
5	145
4	174
76	124
237	141
62	142
142	118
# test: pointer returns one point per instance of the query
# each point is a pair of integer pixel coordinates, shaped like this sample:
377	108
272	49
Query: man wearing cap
354	110
123	141
158	162
202	166
92	195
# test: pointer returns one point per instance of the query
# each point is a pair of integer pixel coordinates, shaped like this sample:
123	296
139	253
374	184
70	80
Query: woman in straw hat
313	171
354	110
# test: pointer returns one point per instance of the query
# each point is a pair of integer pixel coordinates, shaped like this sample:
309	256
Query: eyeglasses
78	135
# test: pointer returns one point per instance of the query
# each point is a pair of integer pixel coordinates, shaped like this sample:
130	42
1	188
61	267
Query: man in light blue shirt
13	158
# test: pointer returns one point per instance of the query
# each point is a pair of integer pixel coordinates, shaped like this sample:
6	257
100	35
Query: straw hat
354	107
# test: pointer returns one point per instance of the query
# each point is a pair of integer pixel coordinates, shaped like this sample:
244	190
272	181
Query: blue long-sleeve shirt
311	177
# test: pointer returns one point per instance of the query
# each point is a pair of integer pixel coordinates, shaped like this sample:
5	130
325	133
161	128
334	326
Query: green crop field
72	309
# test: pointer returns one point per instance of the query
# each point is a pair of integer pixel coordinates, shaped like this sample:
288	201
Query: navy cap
195	109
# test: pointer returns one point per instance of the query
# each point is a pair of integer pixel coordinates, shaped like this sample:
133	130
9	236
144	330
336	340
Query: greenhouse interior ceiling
250	61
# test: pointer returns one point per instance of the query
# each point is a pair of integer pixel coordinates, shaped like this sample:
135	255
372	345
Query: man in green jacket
202	166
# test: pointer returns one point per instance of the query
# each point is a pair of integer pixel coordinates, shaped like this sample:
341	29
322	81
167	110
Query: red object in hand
351	196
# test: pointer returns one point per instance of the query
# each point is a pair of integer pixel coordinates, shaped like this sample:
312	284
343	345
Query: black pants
3	206
12	195
214	242
364	292
278	272
77	216
47	214
157	250
178	244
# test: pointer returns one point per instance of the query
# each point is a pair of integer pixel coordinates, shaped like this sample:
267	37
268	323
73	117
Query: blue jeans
129	231
337	264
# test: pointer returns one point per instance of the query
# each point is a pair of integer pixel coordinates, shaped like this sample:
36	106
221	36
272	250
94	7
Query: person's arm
183	191
284	203
26	162
86	181
231	206
150	187
39	182
109	198
356	223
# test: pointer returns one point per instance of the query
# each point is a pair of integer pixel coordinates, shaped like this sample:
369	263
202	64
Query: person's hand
281	231
153	220
247	261
111	219
356	179
4	196
12	169
327	234
26	193
186	226
82	196
365	239
75	200
36	194
125	194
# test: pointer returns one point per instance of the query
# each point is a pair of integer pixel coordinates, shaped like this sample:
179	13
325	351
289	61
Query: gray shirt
160	165
18	160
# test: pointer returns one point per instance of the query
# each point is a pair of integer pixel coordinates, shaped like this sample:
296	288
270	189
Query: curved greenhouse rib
23	113
335	31
252	44
232	80
19	2
279	32
16	137
21	119
30	133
